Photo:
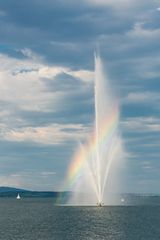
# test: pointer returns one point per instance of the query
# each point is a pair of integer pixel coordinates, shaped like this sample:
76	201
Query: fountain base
100	204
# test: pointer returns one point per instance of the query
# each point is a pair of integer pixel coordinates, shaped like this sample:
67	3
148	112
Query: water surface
39	219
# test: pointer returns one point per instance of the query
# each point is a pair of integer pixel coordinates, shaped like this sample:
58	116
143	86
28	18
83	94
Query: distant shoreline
12	192
129	199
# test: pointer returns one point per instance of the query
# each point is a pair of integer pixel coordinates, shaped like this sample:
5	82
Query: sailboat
18	196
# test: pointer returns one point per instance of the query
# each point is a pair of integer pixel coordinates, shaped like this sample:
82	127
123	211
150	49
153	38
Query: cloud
142	97
29	54
23	87
53	134
84	75
117	4
80	27
142	124
139	32
48	173
28	180
10	181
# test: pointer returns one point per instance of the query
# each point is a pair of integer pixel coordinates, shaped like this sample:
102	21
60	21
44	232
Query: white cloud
48	72
134	51
28	53
141	97
139	32
4	113
67	45
10	181
147	166
21	83
36	180
115	4
52	134
142	124
86	76
22	88
48	173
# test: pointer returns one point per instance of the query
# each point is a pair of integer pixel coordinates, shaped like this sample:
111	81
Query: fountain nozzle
100	204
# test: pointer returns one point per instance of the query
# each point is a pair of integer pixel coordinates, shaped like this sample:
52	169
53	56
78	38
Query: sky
46	86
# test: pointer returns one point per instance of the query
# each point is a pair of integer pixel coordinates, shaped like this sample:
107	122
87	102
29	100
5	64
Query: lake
39	219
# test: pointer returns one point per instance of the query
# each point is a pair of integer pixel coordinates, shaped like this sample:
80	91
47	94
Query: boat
18	196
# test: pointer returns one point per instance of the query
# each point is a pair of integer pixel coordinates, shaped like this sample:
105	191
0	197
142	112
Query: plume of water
90	172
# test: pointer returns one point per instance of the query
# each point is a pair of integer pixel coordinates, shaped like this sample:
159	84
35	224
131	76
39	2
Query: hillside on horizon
12	192
129	198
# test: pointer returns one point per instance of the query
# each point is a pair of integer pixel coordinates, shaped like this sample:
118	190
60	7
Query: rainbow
83	155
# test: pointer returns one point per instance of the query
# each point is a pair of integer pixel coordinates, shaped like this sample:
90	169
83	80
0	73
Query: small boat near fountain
18	196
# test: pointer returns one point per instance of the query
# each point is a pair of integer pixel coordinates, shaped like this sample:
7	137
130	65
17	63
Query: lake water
39	219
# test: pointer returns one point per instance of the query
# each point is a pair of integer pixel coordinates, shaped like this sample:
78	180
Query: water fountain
89	174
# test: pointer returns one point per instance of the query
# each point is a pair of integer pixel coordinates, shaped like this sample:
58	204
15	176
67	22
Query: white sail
18	196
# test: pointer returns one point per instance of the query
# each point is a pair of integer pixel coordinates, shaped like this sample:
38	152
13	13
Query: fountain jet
90	171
